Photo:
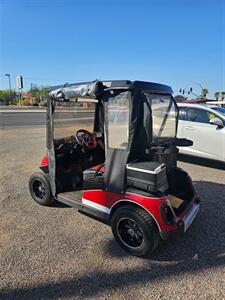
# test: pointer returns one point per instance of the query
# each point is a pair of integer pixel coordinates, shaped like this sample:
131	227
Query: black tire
135	230
40	189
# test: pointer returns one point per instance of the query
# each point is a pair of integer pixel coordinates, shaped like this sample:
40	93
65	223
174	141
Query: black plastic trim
44	169
96	215
84	209
165	219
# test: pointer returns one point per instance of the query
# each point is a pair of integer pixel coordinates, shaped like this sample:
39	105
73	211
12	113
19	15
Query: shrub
14	102
25	102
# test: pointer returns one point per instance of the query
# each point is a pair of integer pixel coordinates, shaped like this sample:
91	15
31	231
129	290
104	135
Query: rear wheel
40	189
135	230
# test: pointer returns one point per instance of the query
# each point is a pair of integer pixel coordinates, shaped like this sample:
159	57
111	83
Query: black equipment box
148	176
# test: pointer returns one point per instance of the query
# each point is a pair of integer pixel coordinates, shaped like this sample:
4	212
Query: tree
6	97
204	93
39	93
217	95
222	95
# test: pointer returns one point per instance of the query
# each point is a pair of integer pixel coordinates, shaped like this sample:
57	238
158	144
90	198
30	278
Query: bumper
183	223
187	220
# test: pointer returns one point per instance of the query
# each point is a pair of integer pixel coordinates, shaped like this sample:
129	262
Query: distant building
198	100
180	98
26	95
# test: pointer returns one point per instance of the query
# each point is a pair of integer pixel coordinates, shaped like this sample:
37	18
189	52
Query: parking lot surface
55	252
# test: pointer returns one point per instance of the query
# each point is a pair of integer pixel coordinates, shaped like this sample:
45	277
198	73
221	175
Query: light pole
199	84
10	90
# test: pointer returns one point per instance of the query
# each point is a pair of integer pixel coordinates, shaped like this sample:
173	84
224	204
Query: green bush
14	102
6	96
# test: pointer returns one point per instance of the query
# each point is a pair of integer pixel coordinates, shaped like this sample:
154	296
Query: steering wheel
86	139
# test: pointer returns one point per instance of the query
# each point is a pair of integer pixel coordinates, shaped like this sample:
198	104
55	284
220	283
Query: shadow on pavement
201	248
202	161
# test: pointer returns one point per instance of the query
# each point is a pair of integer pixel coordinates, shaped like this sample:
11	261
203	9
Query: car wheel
135	230
40	189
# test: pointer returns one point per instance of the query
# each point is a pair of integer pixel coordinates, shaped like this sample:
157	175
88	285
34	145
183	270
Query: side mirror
217	121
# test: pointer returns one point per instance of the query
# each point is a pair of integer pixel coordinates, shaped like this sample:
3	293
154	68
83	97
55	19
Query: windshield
118	121
72	116
164	113
220	110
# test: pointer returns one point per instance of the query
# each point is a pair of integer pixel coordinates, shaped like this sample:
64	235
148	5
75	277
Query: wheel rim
39	189
130	233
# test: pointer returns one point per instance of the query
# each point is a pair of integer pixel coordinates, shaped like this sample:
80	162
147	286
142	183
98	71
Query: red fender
44	161
105	201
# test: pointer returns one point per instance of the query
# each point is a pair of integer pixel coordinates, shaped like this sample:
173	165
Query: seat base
91	181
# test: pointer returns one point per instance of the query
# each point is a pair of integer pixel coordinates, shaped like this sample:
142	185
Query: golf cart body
111	149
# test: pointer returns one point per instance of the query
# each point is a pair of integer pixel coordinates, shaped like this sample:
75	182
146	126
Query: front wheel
40	189
135	230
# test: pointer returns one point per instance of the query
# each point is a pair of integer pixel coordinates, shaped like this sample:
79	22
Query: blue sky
177	42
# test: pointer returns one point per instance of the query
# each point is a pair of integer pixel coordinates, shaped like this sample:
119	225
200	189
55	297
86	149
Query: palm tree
204	92
217	95
222	95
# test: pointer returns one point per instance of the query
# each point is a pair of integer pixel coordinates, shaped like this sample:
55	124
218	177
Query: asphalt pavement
57	253
18	119
30	117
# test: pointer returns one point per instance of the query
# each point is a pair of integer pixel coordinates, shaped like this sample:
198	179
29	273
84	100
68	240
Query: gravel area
57	253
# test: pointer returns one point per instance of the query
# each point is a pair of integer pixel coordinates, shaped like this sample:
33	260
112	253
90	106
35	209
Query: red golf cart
112	154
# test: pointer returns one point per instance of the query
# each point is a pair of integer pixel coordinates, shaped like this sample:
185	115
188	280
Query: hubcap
39	189
130	233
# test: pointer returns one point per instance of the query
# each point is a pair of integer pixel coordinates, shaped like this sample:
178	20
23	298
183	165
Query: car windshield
220	110
164	113
73	115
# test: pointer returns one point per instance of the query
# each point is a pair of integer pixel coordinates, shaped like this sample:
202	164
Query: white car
205	126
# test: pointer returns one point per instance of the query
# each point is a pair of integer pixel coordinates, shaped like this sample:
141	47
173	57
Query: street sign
19	82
